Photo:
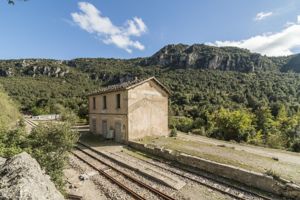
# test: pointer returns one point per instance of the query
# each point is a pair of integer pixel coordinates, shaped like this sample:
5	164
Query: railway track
254	194
87	160
30	122
204	183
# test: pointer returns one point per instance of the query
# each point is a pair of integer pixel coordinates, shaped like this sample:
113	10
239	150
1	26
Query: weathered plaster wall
144	111
111	103
111	114
147	111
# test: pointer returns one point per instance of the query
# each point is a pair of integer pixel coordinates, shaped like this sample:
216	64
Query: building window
104	102
118	97
94	103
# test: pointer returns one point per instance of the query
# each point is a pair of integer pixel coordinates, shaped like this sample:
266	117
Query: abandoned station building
130	110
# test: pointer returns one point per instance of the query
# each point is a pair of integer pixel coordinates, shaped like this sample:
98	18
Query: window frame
94	103
104	100
118	101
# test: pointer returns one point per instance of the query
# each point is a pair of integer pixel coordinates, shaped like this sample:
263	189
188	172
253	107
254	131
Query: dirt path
282	155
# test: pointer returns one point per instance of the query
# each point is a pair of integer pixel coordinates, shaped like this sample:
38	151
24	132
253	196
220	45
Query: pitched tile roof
127	85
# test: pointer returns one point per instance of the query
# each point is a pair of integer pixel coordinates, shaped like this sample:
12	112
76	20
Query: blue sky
64	29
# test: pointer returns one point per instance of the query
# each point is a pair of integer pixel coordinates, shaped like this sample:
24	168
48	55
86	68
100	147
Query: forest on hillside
260	107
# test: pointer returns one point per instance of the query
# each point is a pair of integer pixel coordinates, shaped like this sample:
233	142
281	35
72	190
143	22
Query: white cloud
91	20
262	15
298	19
271	44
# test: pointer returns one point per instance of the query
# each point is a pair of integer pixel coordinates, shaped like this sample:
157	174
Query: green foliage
49	144
9	111
270	97
232	125
12	142
296	145
173	132
182	123
272	173
67	115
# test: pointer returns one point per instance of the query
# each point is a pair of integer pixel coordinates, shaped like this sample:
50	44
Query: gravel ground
140	190
87	188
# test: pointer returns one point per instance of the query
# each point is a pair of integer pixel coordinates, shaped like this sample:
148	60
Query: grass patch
272	173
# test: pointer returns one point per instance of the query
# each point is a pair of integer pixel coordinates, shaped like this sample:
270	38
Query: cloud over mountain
90	19
272	44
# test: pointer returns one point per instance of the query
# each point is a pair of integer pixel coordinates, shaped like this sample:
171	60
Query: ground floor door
104	128
118	132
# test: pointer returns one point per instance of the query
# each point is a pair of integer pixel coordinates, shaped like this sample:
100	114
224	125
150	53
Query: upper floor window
104	102
118	98
94	103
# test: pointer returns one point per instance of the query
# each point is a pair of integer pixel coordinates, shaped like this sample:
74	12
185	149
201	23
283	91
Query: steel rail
30	123
199	182
148	187
212	179
121	185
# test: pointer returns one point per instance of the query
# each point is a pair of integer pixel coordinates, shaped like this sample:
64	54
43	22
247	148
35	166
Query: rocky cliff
33	67
197	56
201	56
22	178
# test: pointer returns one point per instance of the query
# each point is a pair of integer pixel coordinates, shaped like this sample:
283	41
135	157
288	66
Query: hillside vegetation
227	93
49	144
9	111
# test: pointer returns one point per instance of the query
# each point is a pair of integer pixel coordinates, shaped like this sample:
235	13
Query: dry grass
227	155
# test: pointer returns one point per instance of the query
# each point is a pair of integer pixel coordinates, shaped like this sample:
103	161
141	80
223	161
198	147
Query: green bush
9	113
49	144
275	140
199	131
183	124
173	132
296	146
232	125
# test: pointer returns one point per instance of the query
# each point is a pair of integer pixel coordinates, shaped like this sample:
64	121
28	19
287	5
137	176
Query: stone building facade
130	110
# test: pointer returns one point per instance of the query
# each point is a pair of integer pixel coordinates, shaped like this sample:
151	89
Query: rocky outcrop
22	178
33	68
201	56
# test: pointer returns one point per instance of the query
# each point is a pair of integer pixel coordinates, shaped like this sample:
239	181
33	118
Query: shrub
256	138
272	173
9	111
296	146
199	131
173	132
183	124
275	140
49	144
232	125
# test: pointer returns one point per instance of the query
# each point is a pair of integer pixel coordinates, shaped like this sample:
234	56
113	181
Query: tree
232	125
50	144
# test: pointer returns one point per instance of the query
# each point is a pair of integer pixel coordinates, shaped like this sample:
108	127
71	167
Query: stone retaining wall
249	178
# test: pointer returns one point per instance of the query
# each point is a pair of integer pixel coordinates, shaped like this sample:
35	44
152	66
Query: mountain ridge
173	56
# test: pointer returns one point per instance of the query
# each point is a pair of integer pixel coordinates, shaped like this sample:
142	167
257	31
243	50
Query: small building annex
130	110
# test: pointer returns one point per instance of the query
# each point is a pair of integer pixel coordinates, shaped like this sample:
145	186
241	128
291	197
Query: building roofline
148	79
130	86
